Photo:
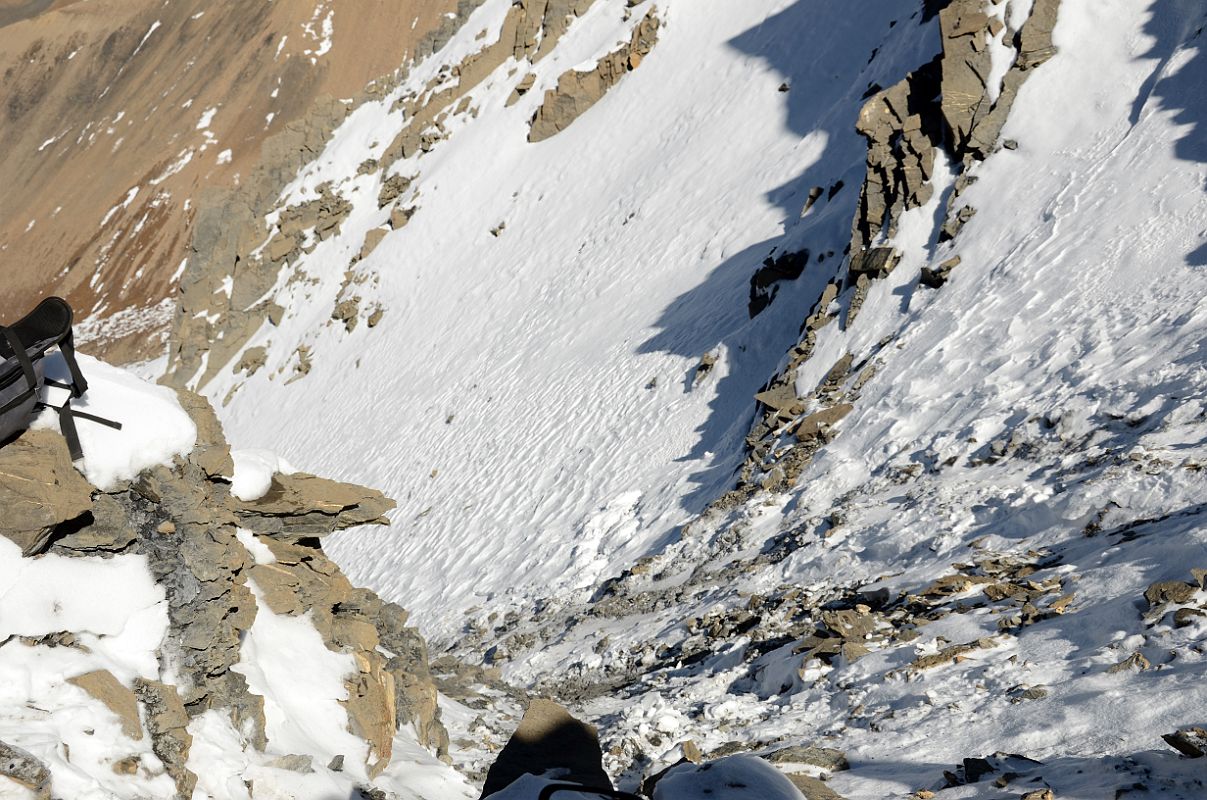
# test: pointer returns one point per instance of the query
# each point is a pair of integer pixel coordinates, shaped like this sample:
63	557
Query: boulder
781	398
391	189
951	655
372	240
826	758
934	277
765	281
876	262
40	490
1163	592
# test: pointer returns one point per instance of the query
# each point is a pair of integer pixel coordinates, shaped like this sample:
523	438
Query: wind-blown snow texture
519	368
529	397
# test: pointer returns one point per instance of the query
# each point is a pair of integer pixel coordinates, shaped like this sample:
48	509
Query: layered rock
578	91
195	538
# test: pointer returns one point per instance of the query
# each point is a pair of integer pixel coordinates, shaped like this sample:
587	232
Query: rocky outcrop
902	128
183	520
578	91
949	104
530	31
300	506
221	302
945	106
973	110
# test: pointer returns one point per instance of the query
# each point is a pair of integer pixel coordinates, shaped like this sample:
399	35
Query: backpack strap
31	378
67	348
67	417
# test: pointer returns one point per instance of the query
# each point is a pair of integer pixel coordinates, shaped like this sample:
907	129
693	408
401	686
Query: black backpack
23	347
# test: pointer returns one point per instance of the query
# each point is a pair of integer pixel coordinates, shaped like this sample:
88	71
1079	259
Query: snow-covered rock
159	637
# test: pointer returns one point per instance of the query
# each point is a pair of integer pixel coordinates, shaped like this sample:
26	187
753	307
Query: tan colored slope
116	114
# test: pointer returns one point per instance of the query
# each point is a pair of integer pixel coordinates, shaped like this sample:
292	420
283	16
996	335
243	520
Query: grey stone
167	722
294	763
22	767
826	758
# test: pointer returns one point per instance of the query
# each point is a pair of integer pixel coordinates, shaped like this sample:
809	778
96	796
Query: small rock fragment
127	766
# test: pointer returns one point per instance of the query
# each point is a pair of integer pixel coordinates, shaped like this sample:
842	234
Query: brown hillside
116	114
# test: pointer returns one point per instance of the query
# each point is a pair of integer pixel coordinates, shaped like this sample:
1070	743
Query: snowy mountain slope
1020	466
1044	407
561	407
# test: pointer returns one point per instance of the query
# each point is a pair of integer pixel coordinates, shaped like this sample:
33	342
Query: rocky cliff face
221	564
952	110
141	107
